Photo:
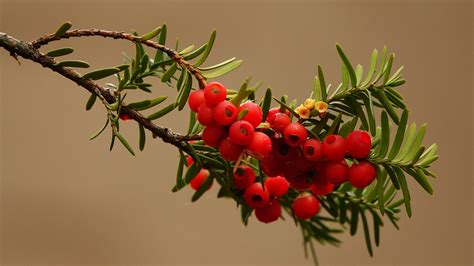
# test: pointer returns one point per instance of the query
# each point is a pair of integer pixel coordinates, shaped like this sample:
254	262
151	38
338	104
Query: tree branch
28	51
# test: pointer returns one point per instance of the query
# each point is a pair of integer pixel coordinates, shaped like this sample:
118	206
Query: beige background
66	200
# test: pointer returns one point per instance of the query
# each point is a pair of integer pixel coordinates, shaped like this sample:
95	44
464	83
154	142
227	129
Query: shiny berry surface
260	145
225	113
196	98
334	147
254	114
229	150
313	150
295	134
277	186
241	132
199	179
214	93
361	175
305	206
270	212
337	172
205	114
280	121
212	135
358	144
255	196
244	176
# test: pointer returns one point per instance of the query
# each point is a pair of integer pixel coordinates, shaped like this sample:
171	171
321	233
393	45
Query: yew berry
334	147
270	212
362	174
255	196
260	145
275	110
254	114
212	135
277	186
271	166
229	150
305	206
189	161
283	151
244	176
358	144
214	93
225	113
196	98
204	115
199	179
299	182
241	132
313	150
337	172
295	134
280	121
321	186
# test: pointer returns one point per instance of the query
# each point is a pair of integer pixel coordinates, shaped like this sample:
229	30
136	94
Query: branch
28	51
124	36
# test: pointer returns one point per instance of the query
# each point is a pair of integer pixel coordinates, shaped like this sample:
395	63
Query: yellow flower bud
321	106
303	112
309	103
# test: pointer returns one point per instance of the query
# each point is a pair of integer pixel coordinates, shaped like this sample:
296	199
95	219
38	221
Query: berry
273	111
305	206
225	113
230	151
241	132
280	121
358	144
214	93
255	196
196	98
283	151
261	145
199	179
334	147
277	186
254	114
271	166
295	134
269	213
189	161
212	135
299	182
313	150
244	176
337	172
362	174
124	117
204	115
321	186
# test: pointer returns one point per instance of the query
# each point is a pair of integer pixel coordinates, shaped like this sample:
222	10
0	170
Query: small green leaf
73	63
222	70
195	53
124	142
91	101
369	107
60	52
428	156
421	178
206	52
203	188
267	101
187	49
100	130
395	75
406	192
63	29
392	175
354	219
169	73
358	72
146	104
162	112
387	105
388	68
226	62
179	173
348	65
316	89
184	93
142	137
123	67
151	34
287	107
322	84
373	65
381	176
357	107
348	127
101	73
416	144
397	142
161	41
409	139
384	142
193	170
334	125
245	213
366	233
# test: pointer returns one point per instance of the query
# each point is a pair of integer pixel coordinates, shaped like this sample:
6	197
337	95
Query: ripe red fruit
280	121
241	132
271	166
261	144
313	150
362	174
255	196
270	212
244	176
229	150
212	135
196	98
358	144
334	147
254	113
189	161
305	206
124	117
321	186
284	152
204	115
277	186
275	110
337	172
199	179
225	113
299	182
295	134
214	93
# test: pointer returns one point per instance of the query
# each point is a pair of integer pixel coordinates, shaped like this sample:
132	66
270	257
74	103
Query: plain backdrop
67	200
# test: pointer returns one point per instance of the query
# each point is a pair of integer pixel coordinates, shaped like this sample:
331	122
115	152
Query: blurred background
67	200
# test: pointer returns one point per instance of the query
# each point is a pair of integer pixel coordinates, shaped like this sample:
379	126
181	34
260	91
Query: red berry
313	150
277	186
255	196
334	147
199	179
299	182
189	161
241	132
254	113
358	144
244	176
212	135
337	172
196	98
321	186
225	113
362	174
214	93
229	150
280	121
271	166
261	145
275	110
295	134
204	115
124	117
305	206
283	151
270	212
